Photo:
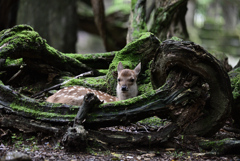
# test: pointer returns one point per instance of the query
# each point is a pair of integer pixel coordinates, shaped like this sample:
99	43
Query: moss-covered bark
137	22
191	57
169	19
23	42
226	146
235	84
189	82
95	61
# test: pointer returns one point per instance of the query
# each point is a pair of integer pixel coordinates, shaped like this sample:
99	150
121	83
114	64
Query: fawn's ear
120	67
137	69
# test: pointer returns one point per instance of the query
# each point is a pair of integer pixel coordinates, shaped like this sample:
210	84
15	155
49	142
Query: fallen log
22	41
191	88
228	146
193	92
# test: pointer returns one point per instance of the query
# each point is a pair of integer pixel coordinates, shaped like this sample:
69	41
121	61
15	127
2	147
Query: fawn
126	88
127	82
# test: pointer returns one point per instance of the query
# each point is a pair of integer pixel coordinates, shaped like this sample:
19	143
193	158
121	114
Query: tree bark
99	18
234	76
55	21
192	57
169	19
137	20
226	146
192	88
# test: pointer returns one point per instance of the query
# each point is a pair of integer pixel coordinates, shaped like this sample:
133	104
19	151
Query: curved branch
22	41
193	58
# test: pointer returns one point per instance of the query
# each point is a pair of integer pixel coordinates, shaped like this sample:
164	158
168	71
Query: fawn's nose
124	88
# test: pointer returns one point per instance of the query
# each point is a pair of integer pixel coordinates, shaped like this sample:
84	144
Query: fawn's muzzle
124	88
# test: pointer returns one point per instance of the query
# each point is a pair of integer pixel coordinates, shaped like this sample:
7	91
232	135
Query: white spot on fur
60	95
71	90
79	97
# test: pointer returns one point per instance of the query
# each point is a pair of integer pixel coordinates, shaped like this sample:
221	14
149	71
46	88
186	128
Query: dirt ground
21	146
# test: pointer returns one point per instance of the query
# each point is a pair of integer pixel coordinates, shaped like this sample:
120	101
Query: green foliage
203	5
19	143
119	6
17	140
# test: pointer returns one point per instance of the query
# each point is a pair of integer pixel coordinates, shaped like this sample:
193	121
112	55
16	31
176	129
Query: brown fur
74	95
127	82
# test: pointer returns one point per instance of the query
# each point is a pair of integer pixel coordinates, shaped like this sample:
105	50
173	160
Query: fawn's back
74	95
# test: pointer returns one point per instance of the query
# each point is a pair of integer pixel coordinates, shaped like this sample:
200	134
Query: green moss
176	38
143	88
82	57
138	24
152	121
133	100
91	82
235	82
21	36
38	113
217	146
103	71
10	61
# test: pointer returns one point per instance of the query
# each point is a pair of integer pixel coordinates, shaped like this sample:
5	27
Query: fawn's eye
131	80
118	80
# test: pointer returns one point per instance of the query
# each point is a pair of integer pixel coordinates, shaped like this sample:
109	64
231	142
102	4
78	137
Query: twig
57	86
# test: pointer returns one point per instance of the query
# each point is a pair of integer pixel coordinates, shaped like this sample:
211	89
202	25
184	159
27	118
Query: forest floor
29	146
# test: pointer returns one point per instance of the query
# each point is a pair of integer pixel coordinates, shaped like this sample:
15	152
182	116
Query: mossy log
191	88
228	146
37	57
23	42
191	57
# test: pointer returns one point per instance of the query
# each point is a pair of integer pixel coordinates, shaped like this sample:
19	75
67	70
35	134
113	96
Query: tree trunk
55	21
234	76
169	19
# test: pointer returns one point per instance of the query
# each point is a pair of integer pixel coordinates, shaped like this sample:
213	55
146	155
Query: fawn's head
127	86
